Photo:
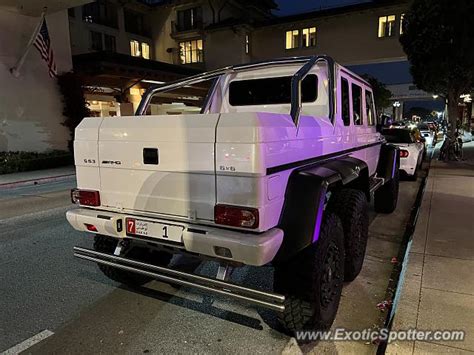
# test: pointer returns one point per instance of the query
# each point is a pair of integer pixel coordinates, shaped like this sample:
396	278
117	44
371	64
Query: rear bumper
407	170
408	165
247	248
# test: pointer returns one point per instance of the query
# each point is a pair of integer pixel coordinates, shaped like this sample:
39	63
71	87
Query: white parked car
277	169
412	150
427	134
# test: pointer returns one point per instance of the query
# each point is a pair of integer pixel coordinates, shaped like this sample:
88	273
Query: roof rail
309	62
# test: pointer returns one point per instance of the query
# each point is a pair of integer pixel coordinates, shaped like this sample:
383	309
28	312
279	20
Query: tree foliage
75	106
438	38
382	95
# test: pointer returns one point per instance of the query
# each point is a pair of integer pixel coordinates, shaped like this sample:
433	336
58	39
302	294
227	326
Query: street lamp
396	108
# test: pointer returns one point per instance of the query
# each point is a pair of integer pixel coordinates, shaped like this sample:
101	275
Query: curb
394	288
38	181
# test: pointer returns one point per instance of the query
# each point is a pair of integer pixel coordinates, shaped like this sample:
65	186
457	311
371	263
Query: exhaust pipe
257	297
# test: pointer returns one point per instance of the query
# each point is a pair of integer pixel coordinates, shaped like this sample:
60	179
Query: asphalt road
42	287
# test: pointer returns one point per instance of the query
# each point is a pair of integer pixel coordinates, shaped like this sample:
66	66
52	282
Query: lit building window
191	52
145	50
292	39
247	44
402	16
135	48
138	49
309	37
386	26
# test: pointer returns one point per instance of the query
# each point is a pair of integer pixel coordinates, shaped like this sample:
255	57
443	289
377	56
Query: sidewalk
438	287
8	181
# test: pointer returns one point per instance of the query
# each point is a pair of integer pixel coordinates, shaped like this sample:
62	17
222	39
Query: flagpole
15	70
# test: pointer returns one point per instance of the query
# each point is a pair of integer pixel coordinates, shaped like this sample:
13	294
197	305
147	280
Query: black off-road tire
105	244
312	281
386	197
352	208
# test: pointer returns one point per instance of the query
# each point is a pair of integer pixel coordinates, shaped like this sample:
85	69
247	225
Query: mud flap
389	160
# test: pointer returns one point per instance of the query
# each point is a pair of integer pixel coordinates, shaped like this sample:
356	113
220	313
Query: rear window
397	135
271	91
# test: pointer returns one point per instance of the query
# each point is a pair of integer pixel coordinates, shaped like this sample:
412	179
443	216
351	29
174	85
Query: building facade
191	36
119	48
353	35
122	27
30	102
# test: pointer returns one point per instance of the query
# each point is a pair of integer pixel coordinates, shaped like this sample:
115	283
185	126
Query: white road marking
35	339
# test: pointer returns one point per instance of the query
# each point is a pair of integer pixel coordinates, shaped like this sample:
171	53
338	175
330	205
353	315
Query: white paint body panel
181	184
220	157
248	248
428	135
414	159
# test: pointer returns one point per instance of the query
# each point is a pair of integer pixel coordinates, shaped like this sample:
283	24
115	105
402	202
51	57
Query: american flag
43	44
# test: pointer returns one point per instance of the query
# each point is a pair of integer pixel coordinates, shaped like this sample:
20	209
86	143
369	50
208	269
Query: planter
13	162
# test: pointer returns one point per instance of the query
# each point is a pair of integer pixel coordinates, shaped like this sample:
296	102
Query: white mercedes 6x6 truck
277	169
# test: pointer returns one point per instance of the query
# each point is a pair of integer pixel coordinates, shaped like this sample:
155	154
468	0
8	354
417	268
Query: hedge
13	162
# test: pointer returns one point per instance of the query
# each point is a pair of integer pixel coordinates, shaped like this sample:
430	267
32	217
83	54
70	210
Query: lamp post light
396	108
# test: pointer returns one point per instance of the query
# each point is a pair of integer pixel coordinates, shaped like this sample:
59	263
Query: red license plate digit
130	226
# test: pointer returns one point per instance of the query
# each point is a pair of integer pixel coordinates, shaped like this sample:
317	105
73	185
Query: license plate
169	232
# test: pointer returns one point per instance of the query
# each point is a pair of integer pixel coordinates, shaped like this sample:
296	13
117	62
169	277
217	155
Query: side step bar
260	298
375	183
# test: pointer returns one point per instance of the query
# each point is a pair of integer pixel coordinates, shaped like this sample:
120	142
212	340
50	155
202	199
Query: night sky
289	7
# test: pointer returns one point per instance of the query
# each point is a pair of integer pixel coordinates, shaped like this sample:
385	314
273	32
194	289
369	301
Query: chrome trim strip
318	159
258	297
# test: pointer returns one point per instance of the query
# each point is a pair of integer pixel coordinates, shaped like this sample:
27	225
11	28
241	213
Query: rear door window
270	91
357	104
369	108
346	114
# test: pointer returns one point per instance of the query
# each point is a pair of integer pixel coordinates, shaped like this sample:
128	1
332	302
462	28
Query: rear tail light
235	216
85	197
90	227
404	153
